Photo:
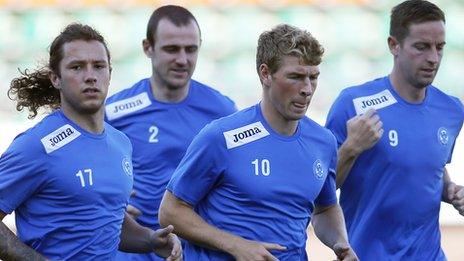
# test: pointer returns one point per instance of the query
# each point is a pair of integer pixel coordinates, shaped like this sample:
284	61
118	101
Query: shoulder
441	97
213	94
41	136
235	120
230	122
128	100
117	135
358	99
367	88
135	89
311	128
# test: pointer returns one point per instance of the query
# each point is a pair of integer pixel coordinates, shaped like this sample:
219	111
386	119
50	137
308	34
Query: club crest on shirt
59	137
442	135
318	169
246	134
123	107
376	101
127	166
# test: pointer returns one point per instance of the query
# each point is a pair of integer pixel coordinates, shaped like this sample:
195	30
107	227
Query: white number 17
81	177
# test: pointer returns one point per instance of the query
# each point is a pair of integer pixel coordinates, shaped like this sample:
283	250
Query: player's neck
164	93
405	89
277	122
92	123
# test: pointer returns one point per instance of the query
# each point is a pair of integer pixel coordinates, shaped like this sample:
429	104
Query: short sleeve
461	111
22	171
337	117
201	167
328	195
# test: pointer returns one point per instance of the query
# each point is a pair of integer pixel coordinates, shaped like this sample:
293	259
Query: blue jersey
160	134
244	178
69	188
391	198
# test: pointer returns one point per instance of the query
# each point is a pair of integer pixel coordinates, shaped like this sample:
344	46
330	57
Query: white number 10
265	167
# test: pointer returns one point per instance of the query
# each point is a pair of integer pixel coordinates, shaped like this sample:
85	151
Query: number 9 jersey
391	197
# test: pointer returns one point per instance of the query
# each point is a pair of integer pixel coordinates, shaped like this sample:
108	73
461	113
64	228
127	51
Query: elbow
165	212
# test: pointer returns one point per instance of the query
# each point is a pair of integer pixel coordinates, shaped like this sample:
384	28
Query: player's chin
91	107
178	83
294	116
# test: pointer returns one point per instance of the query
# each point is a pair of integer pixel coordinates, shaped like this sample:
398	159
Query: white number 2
393	137
154	132
265	167
81	177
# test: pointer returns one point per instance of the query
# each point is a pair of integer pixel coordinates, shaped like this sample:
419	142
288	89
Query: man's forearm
134	237
346	158
329	226
190	226
11	248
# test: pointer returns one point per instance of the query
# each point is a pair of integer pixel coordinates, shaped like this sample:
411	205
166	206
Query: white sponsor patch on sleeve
246	134
123	107
59	138
376	101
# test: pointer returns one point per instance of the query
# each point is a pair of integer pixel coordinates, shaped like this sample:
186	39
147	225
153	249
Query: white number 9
393	137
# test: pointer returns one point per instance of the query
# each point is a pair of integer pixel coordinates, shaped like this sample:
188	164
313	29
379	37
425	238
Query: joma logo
374	101
61	136
246	134
126	106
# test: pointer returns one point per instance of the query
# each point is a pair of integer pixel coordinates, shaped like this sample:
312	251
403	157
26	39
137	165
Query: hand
454	194
166	244
364	131
247	250
131	210
343	251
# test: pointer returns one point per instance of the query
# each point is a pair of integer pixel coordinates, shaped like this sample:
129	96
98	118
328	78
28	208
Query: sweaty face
291	88
174	54
85	77
419	56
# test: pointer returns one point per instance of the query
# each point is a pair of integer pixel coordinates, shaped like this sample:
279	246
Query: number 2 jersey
244	178
69	188
160	134
391	198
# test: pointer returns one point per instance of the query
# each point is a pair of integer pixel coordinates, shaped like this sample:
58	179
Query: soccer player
69	177
163	113
396	134
250	182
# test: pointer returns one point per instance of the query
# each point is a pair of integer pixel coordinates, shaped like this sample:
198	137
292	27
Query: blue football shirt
391	198
160	134
244	178
69	188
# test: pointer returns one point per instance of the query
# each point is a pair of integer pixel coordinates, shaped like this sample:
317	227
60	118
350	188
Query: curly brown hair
34	89
285	40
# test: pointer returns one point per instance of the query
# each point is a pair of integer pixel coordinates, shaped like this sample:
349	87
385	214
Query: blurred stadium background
353	32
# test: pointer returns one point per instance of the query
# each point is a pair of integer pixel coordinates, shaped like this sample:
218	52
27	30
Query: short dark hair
34	89
285	40
178	15
412	12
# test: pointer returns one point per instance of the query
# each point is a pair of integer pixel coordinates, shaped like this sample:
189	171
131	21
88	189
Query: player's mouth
91	91
180	71
300	105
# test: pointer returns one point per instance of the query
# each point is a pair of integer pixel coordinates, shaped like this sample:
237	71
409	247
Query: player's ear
55	79
265	74
393	45
147	48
